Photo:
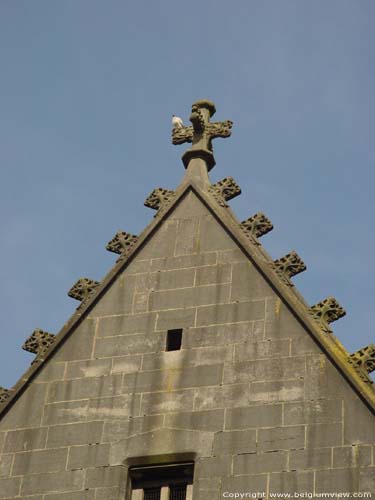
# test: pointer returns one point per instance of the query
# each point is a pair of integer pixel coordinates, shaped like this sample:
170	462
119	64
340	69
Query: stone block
367	480
189	297
126	325
313	412
253	485
74	434
253	416
65	413
281	438
176	318
248	283
96	455
266	369
337	481
105	477
162	243
304	345
131	344
321	435
209	275
352	456
280	321
170	379
25	440
34	462
268	392
114	407
127	364
231	256
115	430
318	458
91	387
111	493
211	420
88	368
323	381
27	410
184	261
190	206
359	427
78	495
79	344
52	482
219	335
187	236
230	313
167	402
213	237
51	371
187	357
234	442
5	465
211	467
292	482
260	463
225	396
262	349
9	487
118	298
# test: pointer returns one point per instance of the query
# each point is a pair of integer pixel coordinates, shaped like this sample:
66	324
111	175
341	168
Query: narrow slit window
162	482
174	339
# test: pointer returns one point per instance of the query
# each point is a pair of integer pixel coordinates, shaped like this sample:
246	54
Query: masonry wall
249	397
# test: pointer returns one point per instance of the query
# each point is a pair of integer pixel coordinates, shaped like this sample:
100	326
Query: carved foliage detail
159	198
182	134
289	265
122	242
257	225
38	342
364	362
326	312
225	190
4	394
83	288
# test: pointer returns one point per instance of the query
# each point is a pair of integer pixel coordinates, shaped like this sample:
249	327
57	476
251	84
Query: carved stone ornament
289	265
4	394
159	198
201	133
122	242
258	225
225	190
83	288
364	362
38	342
326	312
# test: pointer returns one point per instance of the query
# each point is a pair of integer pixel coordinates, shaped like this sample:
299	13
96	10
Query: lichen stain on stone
277	306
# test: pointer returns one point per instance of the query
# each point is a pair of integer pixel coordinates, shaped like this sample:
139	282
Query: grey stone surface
75	434
249	397
33	462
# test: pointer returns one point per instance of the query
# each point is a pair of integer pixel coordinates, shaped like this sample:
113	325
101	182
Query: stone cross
201	133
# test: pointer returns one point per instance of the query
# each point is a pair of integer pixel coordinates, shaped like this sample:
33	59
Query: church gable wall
250	396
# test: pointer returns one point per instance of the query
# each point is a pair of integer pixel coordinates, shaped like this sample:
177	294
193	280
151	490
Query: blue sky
87	90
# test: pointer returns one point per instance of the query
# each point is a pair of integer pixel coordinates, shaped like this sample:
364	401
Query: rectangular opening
162	482
174	339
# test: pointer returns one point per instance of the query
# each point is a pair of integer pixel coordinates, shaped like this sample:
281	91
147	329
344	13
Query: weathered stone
184	261
118	299
213	467
266	369
234	442
213	237
65	413
260	463
78	495
126	364
74	434
230	313
288	266
133	344
281	438
39	342
211	420
114	407
122	242
337	481
88	368
268	392
189	297
34	462
115	430
225	190
317	458
209	275
159	198
231	333
257	225
187	236
25	440
27	411
83	388
225	396
292	482
352	456
248	284
167	402
9	487
126	325
364	362
313	412
96	455
254	416
79	345
325	312
321	435
176	318
46	483
6	462
264	349
83	289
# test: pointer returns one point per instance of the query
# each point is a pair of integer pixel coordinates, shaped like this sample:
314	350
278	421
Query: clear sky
87	91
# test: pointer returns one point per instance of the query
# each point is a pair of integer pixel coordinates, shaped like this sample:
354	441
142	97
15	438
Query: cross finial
201	133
